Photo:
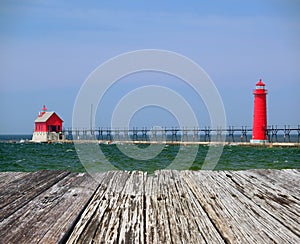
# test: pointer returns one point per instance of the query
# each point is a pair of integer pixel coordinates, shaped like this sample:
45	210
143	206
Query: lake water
63	156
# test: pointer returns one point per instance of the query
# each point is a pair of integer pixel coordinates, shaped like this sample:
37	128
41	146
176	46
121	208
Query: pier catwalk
253	206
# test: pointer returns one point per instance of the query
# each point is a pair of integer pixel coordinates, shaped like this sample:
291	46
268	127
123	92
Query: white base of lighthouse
259	141
47	136
40	137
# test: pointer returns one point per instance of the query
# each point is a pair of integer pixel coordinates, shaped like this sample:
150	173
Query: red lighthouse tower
260	114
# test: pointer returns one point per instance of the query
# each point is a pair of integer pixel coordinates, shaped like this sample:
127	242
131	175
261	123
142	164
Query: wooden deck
254	206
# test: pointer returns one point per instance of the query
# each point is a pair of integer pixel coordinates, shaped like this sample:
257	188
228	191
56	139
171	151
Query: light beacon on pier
259	128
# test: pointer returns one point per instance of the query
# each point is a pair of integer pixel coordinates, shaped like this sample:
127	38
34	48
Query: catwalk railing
276	133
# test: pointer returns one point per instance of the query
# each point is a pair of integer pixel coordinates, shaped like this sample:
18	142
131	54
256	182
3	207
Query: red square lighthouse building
48	127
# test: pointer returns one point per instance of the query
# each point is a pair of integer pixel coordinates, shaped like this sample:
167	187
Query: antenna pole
91	118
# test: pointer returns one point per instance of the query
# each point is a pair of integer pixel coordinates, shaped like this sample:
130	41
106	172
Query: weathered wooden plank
173	214
237	217
272	198
19	192
101	216
7	177
71	204
131	214
48	216
151	228
136	200
179	212
285	179
111	210
157	219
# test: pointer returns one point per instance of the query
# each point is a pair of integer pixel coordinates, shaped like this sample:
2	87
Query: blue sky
48	48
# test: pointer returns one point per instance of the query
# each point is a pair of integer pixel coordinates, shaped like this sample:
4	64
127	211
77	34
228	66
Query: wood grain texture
236	214
49	214
252	206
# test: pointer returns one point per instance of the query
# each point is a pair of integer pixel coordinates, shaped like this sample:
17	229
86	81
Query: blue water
62	156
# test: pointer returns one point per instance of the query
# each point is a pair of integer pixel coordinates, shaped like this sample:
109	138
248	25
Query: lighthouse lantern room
48	127
259	127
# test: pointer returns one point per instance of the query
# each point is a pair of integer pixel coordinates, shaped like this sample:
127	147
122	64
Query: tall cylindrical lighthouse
259	127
